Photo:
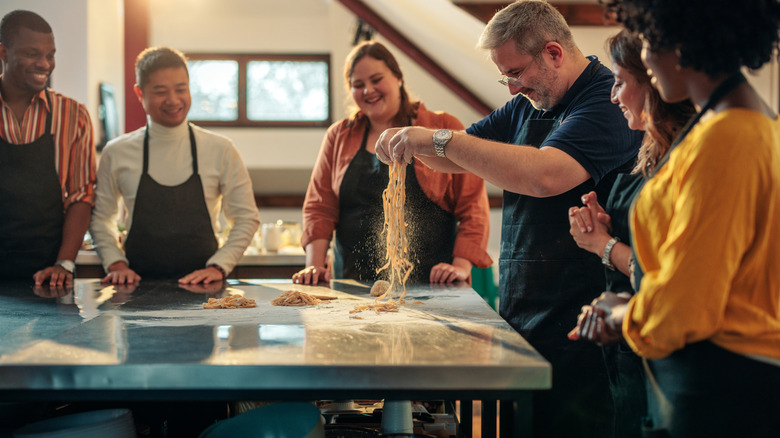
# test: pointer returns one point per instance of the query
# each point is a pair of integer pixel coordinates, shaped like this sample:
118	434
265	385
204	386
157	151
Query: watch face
442	135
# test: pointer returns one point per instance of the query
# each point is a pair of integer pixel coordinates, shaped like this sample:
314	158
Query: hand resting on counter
312	275
120	273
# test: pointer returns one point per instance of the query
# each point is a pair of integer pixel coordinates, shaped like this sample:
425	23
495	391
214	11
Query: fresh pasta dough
295	298
379	288
394	198
229	302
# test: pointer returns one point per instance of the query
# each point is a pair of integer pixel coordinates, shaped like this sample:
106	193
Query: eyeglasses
515	81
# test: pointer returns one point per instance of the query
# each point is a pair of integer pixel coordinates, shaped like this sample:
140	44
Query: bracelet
218	268
607	252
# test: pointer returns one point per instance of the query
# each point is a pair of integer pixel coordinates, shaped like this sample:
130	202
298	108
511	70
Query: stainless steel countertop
157	337
86	257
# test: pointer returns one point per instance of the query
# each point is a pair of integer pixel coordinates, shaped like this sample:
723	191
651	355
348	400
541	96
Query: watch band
67	265
608	252
440	139
218	268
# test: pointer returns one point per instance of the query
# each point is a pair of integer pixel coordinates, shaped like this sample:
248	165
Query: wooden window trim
243	60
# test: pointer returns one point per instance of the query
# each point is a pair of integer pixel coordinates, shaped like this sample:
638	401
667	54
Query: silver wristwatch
440	139
67	265
608	252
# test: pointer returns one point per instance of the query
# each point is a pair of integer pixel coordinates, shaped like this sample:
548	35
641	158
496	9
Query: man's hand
57	276
312	275
120	273
402	144
205	276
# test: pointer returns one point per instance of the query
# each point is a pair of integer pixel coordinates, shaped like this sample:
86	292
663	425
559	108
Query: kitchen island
155	341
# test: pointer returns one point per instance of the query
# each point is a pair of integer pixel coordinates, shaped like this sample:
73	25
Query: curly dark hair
712	36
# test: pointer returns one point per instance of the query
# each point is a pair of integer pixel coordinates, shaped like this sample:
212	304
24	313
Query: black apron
31	207
545	278
618	205
171	234
361	247
624	367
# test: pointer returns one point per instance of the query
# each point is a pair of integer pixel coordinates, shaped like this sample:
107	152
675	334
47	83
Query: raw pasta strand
397	247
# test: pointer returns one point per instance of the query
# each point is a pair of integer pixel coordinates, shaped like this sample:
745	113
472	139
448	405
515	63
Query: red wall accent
136	40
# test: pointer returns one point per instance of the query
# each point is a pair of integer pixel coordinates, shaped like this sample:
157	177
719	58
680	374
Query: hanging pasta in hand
394	198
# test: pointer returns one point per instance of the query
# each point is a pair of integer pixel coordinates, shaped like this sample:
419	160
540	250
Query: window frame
243	61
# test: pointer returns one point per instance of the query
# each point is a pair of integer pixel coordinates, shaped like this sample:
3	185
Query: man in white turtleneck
173	178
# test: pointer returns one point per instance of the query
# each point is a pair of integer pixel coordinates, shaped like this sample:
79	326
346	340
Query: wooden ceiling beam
576	14
359	8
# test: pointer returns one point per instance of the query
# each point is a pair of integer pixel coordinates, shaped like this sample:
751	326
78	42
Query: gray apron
171	234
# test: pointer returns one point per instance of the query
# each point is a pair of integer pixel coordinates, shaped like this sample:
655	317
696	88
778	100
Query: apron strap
365	136
193	150
146	151
49	101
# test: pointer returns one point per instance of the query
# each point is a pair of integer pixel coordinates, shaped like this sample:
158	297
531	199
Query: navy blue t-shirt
593	130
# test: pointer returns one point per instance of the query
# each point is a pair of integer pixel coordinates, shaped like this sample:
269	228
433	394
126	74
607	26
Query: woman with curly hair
596	228
706	225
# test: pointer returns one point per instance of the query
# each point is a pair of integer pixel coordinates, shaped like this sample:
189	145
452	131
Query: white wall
105	54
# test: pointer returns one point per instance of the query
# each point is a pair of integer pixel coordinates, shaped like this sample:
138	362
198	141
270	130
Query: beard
546	96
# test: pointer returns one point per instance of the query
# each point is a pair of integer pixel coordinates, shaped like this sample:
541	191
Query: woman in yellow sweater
706	226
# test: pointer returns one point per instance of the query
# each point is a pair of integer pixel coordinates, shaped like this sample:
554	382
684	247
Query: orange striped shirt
75	147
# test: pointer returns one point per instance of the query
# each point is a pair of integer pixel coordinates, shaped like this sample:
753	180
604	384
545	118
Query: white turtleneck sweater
226	186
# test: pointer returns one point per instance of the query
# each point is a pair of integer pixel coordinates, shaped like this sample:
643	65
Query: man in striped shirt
47	159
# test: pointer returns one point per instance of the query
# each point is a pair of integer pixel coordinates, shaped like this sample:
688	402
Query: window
260	90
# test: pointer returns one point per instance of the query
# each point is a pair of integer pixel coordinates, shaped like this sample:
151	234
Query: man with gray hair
557	140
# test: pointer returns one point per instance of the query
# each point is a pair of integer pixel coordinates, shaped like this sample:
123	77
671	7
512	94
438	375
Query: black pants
579	404
713	392
627	386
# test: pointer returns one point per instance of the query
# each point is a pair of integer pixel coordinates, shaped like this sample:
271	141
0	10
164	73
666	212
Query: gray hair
531	24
